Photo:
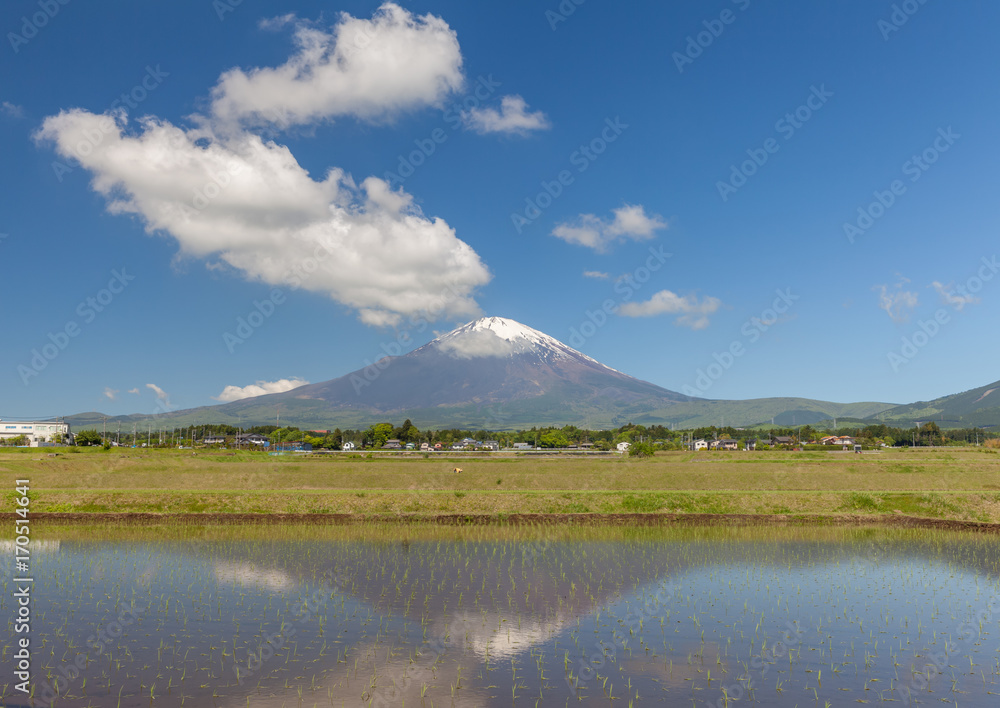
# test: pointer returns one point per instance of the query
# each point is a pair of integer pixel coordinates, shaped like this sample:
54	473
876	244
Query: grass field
948	483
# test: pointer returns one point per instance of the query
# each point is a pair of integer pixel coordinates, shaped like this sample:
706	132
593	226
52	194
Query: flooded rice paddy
511	616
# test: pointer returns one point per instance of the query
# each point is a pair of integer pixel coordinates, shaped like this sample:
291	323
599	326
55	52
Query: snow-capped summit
502	337
507	329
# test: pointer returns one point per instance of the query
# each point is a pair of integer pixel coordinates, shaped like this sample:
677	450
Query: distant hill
498	374
977	407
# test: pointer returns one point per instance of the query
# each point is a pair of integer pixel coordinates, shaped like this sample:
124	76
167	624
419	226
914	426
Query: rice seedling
659	612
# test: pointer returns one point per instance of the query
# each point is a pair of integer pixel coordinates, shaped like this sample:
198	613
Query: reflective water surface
488	616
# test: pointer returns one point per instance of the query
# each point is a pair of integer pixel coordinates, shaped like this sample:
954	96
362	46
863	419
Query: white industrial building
35	432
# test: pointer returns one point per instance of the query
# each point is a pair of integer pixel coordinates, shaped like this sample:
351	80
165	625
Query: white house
699	445
347	446
35	432
624	446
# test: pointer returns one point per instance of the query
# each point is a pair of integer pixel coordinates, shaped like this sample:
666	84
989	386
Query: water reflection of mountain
476	609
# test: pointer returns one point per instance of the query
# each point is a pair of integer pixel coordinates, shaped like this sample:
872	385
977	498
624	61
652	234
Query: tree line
658	436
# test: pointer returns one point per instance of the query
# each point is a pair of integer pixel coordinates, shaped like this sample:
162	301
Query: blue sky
392	152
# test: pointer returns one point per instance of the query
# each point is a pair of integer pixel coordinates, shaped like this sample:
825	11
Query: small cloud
595	274
948	296
260	388
161	395
110	393
692	313
630	222
512	118
134	390
899	303
476	345
12	110
277	23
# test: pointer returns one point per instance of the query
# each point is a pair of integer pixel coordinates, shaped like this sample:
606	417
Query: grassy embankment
946	483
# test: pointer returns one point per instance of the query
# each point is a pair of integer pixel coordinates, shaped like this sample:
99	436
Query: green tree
88	437
554	438
408	433
376	435
641	449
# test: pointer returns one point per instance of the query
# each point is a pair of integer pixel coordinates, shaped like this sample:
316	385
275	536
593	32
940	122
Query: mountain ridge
496	373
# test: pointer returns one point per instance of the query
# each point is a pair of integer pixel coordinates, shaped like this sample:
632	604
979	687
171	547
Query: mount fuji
491	373
495	374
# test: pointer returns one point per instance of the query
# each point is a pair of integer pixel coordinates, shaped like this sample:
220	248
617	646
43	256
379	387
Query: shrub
641	450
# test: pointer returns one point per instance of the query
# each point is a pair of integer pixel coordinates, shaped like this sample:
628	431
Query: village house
252	439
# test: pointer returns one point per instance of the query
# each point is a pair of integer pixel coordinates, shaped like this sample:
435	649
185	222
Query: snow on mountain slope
502	337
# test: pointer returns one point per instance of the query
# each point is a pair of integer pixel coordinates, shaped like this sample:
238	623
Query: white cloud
12	110
110	393
277	23
371	69
513	117
476	344
692	313
229	196
134	390
365	246
261	388
948	296
899	303
161	395
596	274
630	222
